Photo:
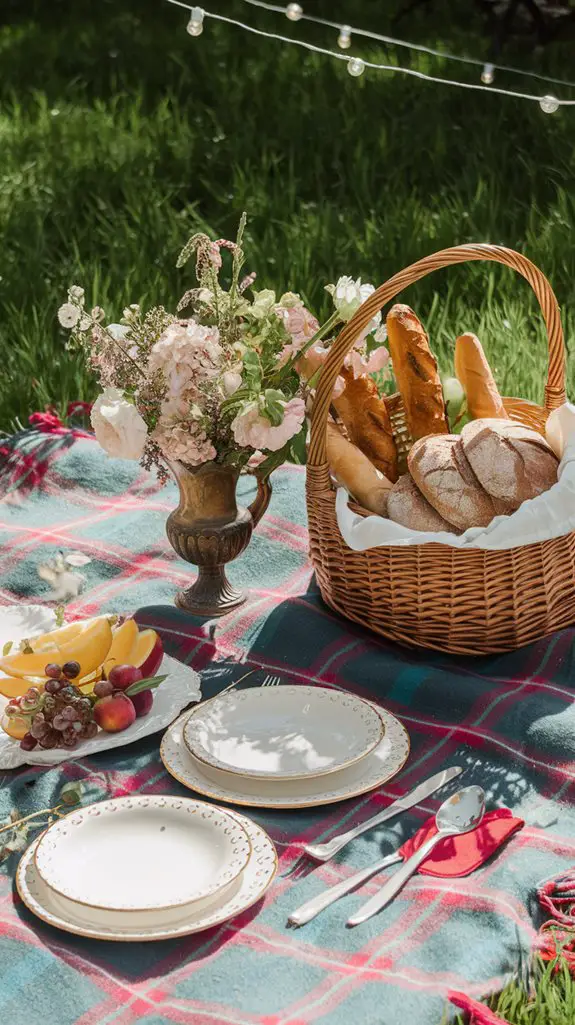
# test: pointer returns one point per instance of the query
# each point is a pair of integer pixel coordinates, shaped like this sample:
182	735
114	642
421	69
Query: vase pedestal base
211	595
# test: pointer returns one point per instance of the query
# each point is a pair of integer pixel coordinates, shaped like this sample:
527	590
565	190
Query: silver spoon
459	814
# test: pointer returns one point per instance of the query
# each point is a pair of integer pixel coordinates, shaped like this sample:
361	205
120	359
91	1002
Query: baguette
474	375
415	370
367	422
354	470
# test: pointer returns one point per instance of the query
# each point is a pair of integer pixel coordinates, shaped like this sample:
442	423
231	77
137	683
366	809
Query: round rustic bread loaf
407	506
443	475
512	462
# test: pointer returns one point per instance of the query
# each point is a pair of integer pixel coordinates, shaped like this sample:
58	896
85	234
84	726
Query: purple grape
89	730
53	686
103	689
69	738
51	740
70	713
71	670
28	742
53	670
68	692
59	722
39	727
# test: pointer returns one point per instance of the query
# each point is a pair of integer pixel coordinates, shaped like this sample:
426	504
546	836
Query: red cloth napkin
461	855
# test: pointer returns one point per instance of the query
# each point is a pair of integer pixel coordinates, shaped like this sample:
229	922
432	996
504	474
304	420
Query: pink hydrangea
184	441
253	430
360	364
189	355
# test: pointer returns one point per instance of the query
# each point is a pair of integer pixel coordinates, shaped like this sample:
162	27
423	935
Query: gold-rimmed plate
122	928
283	733
384	762
142	853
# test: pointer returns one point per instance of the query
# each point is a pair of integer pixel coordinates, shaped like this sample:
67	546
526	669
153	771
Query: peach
115	712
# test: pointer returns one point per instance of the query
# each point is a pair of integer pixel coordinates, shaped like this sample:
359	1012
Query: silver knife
309	910
325	851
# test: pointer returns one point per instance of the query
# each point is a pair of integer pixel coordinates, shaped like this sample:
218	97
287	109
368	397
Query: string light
378	37
549	104
195	26
488	74
356	67
344	38
294	12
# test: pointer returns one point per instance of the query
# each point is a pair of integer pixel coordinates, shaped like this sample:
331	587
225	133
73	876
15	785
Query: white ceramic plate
124	927
142	853
180	689
283	732
372	771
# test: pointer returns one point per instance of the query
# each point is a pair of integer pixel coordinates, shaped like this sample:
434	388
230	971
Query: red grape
53	670
103	688
71	670
52	686
28	742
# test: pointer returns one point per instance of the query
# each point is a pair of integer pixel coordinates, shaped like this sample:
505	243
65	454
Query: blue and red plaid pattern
508	719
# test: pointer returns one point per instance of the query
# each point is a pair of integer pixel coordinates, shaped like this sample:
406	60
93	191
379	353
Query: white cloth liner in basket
550	515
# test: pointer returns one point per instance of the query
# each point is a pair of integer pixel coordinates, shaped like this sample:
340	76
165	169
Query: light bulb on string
488	74
356	67
294	12
549	104
344	38
195	26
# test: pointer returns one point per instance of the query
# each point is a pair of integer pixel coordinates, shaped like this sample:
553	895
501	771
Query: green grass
551	1001
119	133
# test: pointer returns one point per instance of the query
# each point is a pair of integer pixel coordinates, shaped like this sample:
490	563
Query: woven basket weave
468	602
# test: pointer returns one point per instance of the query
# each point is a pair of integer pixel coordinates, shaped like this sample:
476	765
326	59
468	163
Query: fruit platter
76	689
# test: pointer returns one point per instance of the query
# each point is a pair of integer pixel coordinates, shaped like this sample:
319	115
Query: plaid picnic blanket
510	720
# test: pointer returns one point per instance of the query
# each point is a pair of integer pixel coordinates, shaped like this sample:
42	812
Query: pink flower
298	322
360	365
311	362
252	429
214	255
184	441
189	355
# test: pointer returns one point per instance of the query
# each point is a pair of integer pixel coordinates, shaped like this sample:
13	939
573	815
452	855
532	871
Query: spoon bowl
461	812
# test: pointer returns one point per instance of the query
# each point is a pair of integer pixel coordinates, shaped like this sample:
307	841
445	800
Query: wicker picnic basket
434	596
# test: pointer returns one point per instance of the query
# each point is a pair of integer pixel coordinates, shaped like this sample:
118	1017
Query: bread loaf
512	462
406	505
415	370
440	469
474	374
367	422
354	470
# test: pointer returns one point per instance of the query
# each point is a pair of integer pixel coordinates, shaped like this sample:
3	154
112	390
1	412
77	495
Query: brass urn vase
208	529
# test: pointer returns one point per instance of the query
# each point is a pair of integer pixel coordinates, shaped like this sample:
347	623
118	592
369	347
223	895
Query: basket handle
554	389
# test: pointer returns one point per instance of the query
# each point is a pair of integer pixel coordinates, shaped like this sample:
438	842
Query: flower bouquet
213	390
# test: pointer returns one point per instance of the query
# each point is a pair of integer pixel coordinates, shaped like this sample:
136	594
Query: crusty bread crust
407	506
512	462
415	370
442	473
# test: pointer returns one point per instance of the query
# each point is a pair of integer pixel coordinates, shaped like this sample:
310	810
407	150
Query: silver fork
271	681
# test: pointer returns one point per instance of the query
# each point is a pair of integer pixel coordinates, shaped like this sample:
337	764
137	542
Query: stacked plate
285	747
146	868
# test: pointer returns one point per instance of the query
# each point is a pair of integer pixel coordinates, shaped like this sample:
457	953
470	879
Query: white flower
98	314
231	382
118	331
68	315
380	335
118	426
348	296
76	294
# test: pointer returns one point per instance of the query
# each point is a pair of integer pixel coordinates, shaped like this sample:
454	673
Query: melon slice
123	641
15	687
89	647
147	653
